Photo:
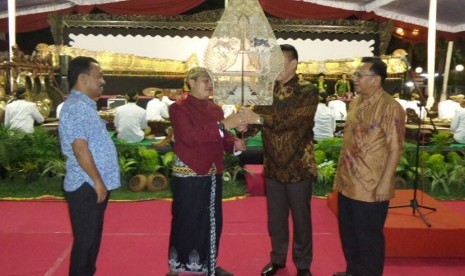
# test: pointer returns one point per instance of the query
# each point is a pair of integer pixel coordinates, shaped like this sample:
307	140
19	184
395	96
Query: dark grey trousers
293	197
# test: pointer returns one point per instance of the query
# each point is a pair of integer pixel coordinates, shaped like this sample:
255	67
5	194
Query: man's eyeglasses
358	75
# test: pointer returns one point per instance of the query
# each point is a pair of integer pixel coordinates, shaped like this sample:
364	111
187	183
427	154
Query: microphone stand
414	202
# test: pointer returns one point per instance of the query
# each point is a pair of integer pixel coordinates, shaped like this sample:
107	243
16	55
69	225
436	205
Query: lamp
243	57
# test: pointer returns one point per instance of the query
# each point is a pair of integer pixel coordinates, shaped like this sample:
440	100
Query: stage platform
254	179
36	239
408	236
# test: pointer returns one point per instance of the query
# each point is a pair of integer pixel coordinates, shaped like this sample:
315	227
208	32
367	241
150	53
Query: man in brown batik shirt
289	164
373	143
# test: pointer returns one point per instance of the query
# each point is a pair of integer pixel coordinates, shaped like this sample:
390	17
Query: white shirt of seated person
402	102
457	126
167	101
21	114
130	122
447	109
340	109
156	110
325	122
58	110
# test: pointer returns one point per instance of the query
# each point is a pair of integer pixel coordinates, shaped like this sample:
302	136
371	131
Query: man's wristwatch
261	120
221	126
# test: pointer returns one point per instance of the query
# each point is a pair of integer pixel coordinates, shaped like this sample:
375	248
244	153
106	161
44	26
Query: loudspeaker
63	62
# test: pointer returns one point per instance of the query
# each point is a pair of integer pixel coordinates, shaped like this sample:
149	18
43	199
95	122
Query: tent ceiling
450	13
25	7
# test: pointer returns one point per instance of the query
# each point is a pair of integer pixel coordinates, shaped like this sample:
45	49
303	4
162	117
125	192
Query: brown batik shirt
287	132
375	127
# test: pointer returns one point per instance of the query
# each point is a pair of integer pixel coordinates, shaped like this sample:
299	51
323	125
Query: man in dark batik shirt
289	164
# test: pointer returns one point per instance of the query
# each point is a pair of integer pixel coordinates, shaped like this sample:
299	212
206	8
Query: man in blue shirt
92	169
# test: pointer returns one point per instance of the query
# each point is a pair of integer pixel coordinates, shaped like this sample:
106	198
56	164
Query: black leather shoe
341	274
222	272
271	269
303	272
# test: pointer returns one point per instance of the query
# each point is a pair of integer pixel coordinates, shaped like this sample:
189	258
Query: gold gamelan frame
207	21
203	23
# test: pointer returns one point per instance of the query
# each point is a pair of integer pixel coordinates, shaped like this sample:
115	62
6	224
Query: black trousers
361	227
87	223
282	198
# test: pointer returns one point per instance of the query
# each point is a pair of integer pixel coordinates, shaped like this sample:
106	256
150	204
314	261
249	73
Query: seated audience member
157	110
339	107
447	108
415	104
342	87
325	122
302	80
322	85
130	121
457	126
58	110
20	114
399	100
167	101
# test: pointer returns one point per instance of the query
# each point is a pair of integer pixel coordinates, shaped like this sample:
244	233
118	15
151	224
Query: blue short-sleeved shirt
79	119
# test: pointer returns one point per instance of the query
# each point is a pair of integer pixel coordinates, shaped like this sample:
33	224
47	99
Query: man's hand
248	116
382	191
86	161
233	121
101	192
384	186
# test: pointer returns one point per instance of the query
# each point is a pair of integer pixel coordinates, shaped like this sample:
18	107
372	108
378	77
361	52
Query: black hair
79	65
331	97
132	96
20	93
378	67
290	50
158	93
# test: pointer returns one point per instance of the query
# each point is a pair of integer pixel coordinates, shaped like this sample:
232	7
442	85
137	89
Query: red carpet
409	236
35	239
